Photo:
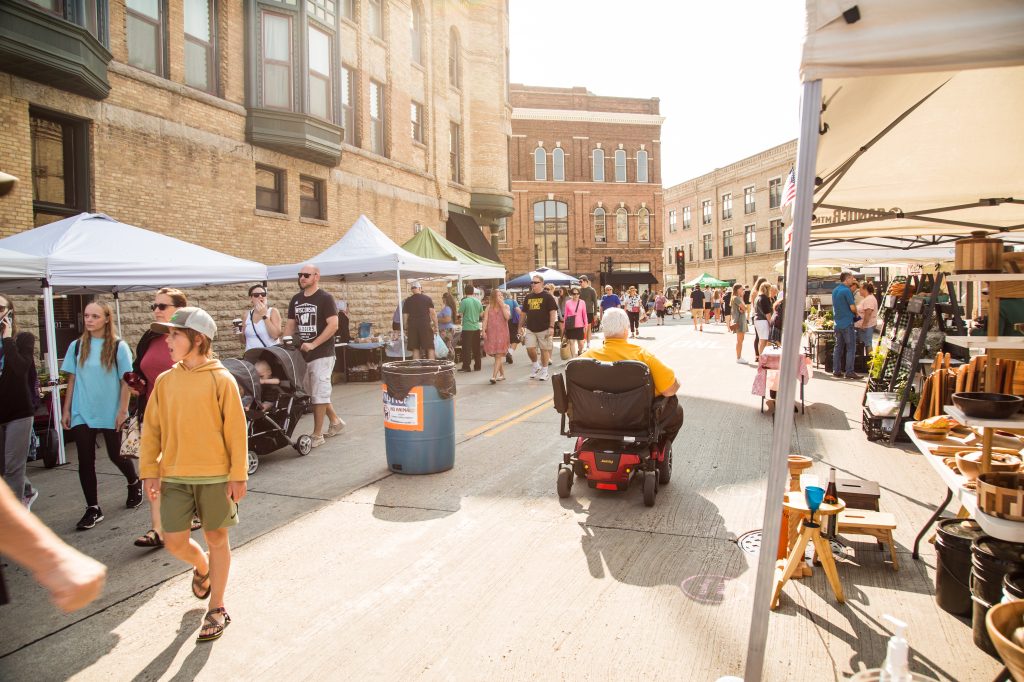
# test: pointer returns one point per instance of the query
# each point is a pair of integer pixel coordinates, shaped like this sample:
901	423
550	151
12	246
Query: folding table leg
933	519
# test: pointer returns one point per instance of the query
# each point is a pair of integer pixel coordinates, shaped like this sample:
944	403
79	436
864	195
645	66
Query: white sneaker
318	440
30	499
543	375
536	371
740	361
335	429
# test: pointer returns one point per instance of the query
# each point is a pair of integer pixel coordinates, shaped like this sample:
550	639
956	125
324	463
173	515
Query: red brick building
586	182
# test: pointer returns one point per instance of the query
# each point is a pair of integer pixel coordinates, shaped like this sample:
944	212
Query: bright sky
726	71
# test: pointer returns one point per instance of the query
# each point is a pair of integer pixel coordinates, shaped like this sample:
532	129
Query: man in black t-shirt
697	307
313	319
420	322
539	320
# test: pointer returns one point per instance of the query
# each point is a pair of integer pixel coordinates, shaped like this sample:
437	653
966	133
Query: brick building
586	180
260	128
729	222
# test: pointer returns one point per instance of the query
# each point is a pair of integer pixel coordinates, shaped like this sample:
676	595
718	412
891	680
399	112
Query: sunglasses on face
161	306
575	293
258	294
304	275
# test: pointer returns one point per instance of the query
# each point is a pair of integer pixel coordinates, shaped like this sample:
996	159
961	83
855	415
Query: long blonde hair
108	358
495	298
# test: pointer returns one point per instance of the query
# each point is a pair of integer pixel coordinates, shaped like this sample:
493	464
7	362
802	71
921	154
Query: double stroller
615	422
272	415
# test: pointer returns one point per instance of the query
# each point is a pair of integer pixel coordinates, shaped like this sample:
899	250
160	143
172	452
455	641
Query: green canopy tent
706	280
429	244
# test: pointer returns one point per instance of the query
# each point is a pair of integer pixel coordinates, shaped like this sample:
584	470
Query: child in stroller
273	399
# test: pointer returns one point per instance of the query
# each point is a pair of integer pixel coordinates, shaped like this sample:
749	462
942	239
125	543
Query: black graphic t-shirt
538	309
311	314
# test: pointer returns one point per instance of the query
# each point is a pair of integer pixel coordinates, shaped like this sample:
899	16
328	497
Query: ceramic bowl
969	463
988	405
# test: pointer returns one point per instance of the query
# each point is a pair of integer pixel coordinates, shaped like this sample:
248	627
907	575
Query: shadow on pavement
159	665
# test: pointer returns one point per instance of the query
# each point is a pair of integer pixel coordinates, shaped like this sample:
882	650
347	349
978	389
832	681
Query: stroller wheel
650	487
564	482
253	462
304	445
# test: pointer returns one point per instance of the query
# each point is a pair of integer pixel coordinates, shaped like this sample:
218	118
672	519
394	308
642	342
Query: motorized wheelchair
611	414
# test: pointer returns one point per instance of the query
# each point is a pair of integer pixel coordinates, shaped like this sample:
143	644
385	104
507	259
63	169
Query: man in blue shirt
610	300
843	312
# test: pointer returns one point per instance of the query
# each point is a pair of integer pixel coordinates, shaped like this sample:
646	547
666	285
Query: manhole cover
750	542
706	589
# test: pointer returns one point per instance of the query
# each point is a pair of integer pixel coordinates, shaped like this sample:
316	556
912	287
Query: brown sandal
149	539
198	580
210	623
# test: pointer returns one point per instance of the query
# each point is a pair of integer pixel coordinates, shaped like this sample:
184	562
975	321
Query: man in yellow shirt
615	325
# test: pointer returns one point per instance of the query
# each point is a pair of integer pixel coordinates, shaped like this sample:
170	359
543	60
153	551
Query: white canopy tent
909	125
93	253
366	254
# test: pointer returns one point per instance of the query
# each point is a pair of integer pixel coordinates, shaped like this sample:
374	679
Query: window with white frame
774	192
727	205
705	208
416	115
777	233
377	118
558	164
750	238
145	28
726	243
375	18
641	166
686	218
277	61
672	220
455	151
643	225
551	234
620	165
199	41
598	172
749	200
600	225
621	225
540	164
708	254
503	230
416	33
319	76
348	99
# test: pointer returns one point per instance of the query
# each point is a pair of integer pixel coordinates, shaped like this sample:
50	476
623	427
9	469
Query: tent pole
401	316
807	153
51	367
117	311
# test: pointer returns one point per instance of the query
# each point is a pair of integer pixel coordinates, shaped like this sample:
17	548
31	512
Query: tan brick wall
171	159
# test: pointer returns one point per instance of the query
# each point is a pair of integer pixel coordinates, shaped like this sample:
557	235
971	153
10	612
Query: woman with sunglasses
262	323
575	316
153	358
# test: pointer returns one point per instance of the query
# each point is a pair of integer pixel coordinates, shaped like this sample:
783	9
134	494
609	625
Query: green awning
429	244
706	280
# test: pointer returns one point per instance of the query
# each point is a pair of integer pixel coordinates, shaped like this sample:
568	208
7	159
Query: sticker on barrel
404	415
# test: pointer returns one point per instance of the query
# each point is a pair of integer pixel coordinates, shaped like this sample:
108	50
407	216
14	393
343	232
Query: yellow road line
514	413
535	411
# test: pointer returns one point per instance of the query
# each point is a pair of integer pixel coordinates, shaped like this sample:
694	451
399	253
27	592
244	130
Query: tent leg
401	316
117	311
807	153
51	367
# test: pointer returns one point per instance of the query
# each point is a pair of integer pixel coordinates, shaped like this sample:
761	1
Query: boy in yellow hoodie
193	456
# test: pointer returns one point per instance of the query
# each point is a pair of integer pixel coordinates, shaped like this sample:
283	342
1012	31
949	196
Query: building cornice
580	116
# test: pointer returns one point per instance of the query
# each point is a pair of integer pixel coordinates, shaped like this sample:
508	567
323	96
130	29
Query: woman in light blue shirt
98	405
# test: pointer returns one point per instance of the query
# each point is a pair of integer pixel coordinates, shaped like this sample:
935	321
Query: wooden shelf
1000	342
1014	422
1011	531
988	277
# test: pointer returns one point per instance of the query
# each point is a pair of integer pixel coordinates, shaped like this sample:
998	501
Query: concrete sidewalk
345	571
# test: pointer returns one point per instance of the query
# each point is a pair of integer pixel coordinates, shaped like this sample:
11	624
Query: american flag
789	189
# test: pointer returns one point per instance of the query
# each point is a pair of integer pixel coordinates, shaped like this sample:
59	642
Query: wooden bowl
988	405
1001	621
931	434
1001	495
969	463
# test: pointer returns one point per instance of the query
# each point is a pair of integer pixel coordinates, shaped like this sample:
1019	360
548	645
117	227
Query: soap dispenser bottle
897	660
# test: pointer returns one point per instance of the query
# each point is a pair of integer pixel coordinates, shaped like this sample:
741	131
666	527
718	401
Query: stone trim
577	116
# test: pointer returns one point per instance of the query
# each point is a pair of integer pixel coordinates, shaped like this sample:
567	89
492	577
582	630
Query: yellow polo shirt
621	349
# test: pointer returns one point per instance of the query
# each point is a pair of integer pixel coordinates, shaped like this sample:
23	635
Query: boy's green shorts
209	501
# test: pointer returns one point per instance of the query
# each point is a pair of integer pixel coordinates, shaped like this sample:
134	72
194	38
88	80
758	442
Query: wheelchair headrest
621	376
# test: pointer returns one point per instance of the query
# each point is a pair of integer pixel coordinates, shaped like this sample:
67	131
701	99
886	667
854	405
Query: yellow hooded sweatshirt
194	425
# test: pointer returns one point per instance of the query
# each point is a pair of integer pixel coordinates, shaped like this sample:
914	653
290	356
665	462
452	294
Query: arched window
551	234
600	226
641	166
621	225
620	165
643	225
454	61
540	164
416	33
598	165
557	164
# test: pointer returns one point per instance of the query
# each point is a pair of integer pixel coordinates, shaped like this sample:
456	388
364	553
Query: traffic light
680	262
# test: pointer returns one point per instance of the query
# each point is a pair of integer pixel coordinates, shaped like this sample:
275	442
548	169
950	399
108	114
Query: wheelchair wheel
665	466
650	487
564	482
252	461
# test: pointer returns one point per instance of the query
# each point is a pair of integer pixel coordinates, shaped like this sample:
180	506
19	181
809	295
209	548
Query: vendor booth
909	131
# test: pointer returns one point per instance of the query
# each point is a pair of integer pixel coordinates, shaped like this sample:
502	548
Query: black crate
880	428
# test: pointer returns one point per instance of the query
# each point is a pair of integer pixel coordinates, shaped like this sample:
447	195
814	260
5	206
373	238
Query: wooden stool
858	494
796	505
788	532
878	525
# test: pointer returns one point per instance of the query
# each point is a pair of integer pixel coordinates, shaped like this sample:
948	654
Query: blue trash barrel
419	415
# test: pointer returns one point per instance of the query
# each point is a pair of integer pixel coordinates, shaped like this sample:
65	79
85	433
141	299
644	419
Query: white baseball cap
195	319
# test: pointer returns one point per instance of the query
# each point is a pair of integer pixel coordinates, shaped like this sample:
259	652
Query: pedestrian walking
634	306
262	325
17	408
97	405
539	321
153	358
727	308
762	315
193	457
750	301
589	297
495	332
446	321
576	321
420	322
609	300
514	311
470	309
313	317
716	305
738	322
697	307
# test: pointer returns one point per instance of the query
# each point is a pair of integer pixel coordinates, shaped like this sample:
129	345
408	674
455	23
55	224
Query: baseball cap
415	285
195	319
584	278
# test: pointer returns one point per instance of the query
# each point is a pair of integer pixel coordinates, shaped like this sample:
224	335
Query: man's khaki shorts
180	501
318	380
698	313
543	340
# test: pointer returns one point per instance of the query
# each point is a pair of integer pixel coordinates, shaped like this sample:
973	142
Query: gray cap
415	285
195	319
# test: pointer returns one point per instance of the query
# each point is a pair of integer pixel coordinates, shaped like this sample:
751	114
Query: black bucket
1013	586
953	564
991	560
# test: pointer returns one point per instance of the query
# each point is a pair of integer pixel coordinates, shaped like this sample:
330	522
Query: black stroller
271	427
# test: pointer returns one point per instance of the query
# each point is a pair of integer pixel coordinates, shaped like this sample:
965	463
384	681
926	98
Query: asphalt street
343	570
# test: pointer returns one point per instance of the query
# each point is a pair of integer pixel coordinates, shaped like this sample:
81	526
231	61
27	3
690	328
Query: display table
796	506
817	339
1012	531
768	370
348	354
